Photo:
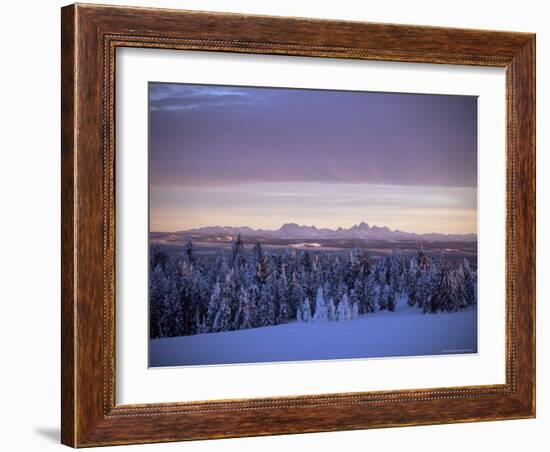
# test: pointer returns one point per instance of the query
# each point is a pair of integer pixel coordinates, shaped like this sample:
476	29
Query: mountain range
361	231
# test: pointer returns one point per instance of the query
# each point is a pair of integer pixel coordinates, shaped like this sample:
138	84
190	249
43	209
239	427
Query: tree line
192	294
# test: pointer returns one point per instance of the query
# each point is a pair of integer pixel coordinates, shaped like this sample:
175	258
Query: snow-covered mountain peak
361	231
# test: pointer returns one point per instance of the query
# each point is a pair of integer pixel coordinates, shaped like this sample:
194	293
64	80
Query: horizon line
312	226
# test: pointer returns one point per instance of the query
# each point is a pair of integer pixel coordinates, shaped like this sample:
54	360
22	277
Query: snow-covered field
405	332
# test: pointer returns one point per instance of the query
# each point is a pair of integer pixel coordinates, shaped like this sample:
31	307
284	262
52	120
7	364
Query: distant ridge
360	231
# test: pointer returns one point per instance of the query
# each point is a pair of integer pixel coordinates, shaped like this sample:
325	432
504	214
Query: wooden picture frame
90	36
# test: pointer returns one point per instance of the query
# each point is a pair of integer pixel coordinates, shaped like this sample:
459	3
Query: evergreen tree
230	292
201	327
379	274
422	260
176	314
304	312
390	299
290	260
387	270
158	257
365	263
423	287
352	267
354	296
268	303
344	309
382	297
396	271
189	252
185	297
284	312
201	286
467	284
369	298
299	315
157	294
354	312
331	309
238	257
262	269
321	312
214	305
255	311
412	280
243	317
443	297
295	294
306	263
222	320
306	267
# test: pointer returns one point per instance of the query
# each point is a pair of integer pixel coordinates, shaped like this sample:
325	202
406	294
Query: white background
137	384
29	260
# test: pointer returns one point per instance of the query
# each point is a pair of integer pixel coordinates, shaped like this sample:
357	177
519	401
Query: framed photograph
294	168
282	225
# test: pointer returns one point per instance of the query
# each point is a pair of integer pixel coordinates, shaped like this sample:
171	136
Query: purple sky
261	157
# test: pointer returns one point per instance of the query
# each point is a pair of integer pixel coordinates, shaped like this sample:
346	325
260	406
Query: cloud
183	97
221	135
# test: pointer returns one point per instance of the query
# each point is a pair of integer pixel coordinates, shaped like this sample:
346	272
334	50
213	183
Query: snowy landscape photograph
305	225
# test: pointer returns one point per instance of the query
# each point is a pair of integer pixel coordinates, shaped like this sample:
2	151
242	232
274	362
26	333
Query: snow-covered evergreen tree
290	259
354	311
331	309
304	312
222	320
307	277
189	252
424	287
284	311
386	298
397	272
387	270
238	256
321	312
444	294
176	318
255	294
368	301
344	308
295	294
267	309
467	284
214	305
158	257
412	280
261	264
422	260
354	296
201	327
352	267
365	263
157	295
390	299
243	317
283	316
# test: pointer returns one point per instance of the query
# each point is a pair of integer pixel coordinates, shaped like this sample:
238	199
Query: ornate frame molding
90	37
